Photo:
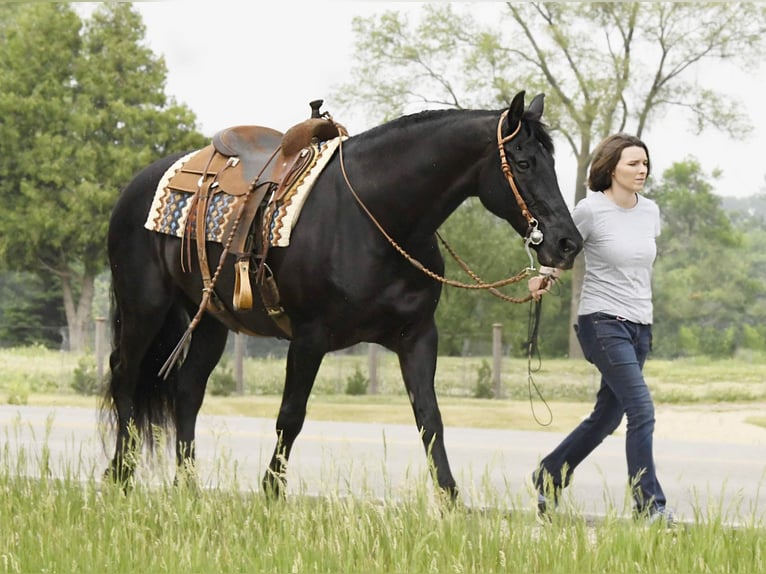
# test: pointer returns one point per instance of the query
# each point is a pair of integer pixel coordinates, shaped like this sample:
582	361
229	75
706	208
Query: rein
534	235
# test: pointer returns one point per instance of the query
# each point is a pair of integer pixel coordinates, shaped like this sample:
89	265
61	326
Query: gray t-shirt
619	253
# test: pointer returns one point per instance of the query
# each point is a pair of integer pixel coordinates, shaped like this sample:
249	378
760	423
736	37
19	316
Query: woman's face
631	171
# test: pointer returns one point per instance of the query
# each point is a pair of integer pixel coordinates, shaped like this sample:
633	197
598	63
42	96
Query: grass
37	376
63	524
55	516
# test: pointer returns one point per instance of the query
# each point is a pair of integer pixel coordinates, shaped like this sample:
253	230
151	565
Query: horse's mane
409	119
537	128
539	132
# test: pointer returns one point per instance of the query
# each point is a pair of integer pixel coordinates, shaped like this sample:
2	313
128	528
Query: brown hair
607	156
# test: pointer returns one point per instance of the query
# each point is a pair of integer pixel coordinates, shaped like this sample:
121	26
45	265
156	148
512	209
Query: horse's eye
523	164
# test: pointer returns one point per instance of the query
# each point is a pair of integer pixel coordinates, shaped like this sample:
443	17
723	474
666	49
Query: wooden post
372	366
100	339
497	357
239	360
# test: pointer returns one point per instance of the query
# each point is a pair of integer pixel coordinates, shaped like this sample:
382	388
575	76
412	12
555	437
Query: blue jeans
619	349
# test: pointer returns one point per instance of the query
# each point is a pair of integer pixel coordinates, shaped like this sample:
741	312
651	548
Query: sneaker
546	494
542	506
663	516
659	515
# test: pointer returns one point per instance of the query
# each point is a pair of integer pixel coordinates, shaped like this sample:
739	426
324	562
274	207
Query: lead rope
533	350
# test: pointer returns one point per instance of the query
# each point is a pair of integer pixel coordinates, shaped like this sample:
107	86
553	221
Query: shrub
222	382
84	379
356	383
18	392
483	388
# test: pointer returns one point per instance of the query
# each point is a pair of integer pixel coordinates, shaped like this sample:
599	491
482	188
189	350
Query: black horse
340	280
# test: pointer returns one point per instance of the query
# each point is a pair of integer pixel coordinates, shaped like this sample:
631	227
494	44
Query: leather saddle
249	161
270	155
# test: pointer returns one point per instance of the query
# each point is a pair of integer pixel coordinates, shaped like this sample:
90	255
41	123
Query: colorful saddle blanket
171	211
283	212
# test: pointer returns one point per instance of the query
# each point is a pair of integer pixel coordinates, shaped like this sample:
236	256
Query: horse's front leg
417	359
303	360
207	345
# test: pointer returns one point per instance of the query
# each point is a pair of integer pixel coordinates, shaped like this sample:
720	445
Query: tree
84	108
29	313
466	317
705	287
605	67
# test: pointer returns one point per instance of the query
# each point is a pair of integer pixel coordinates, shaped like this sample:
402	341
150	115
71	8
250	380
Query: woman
614	325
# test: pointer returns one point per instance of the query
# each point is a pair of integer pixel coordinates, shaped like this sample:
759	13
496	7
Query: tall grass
64	525
54	522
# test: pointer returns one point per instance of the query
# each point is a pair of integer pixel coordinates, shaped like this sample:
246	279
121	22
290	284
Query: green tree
605	67
465	317
705	289
30	314
83	109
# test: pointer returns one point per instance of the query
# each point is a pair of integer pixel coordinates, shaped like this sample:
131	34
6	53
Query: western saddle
248	161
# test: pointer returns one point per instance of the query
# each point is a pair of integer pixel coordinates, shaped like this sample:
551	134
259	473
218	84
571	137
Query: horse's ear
516	111
535	109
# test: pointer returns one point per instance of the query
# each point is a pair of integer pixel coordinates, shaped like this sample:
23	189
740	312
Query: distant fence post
239	360
100	339
372	366
497	357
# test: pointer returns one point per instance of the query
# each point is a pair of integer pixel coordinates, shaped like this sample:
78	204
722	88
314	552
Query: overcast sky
261	63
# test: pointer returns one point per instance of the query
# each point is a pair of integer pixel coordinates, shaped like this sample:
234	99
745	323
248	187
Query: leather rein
534	235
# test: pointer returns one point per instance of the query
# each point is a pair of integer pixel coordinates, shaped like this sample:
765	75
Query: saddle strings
208	290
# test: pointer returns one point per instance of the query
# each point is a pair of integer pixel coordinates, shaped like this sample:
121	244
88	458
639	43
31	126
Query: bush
483	388
85	380
222	382
18	393
356	383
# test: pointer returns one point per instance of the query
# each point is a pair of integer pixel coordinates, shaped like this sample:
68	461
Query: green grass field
61	524
64	525
38	376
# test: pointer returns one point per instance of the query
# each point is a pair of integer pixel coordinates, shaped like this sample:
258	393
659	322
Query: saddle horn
315	105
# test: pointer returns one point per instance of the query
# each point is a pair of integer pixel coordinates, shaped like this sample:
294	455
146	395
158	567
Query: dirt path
720	423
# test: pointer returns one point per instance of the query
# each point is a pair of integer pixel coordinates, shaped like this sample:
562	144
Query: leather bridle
533	237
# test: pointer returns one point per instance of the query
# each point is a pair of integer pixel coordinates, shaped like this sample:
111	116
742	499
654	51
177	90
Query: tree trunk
583	159
78	312
575	352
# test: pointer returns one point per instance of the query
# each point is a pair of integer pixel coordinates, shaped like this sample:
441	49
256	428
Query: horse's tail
153	397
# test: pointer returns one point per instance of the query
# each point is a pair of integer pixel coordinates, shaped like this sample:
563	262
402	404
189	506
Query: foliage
222	528
493	251
85	379
709	281
484	388
18	392
83	108
30	310
604	66
357	383
222	382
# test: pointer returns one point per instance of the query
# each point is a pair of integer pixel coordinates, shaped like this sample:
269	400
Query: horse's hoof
187	477
124	478
274	485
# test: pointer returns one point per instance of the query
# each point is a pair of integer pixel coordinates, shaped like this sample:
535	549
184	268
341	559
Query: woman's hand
540	284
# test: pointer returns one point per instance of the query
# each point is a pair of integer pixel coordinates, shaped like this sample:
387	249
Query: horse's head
525	190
